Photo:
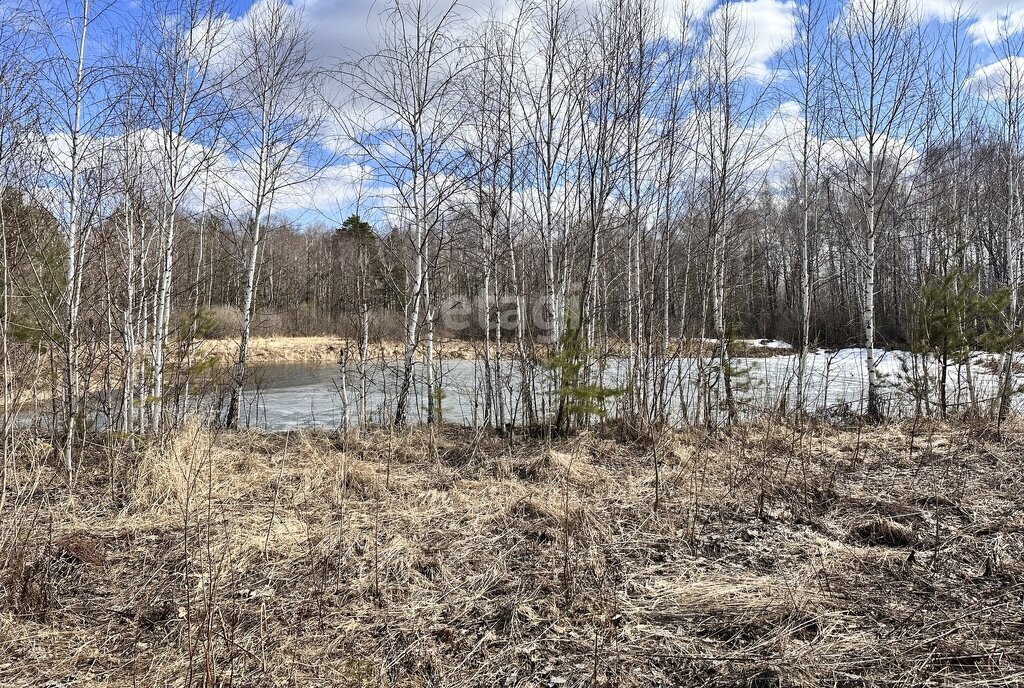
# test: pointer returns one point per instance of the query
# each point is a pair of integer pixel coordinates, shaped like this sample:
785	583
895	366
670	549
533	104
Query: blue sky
341	29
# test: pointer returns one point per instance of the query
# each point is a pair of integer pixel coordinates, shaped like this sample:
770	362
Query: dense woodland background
619	176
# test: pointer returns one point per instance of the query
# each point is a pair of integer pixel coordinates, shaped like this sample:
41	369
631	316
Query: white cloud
993	27
988	21
994	81
341	30
330	193
759	30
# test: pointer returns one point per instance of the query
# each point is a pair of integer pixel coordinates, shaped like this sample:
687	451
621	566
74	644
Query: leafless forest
605	209
555	182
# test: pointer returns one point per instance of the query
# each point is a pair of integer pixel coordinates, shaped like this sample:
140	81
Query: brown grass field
324	349
874	556
328	349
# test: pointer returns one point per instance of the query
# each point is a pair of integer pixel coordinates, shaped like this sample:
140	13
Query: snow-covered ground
836	381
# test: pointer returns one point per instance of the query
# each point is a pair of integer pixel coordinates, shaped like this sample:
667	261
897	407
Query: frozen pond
299	395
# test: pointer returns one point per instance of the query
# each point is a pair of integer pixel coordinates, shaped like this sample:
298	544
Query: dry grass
328	349
290	349
837	557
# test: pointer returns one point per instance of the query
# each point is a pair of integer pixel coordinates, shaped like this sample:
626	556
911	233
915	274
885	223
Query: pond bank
326	349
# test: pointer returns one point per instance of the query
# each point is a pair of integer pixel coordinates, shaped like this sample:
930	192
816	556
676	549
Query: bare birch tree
73	84
408	94
877	83
187	108
808	70
18	121
731	112
550	93
274	92
1006	90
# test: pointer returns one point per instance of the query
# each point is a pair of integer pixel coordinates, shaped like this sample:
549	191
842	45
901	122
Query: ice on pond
297	395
